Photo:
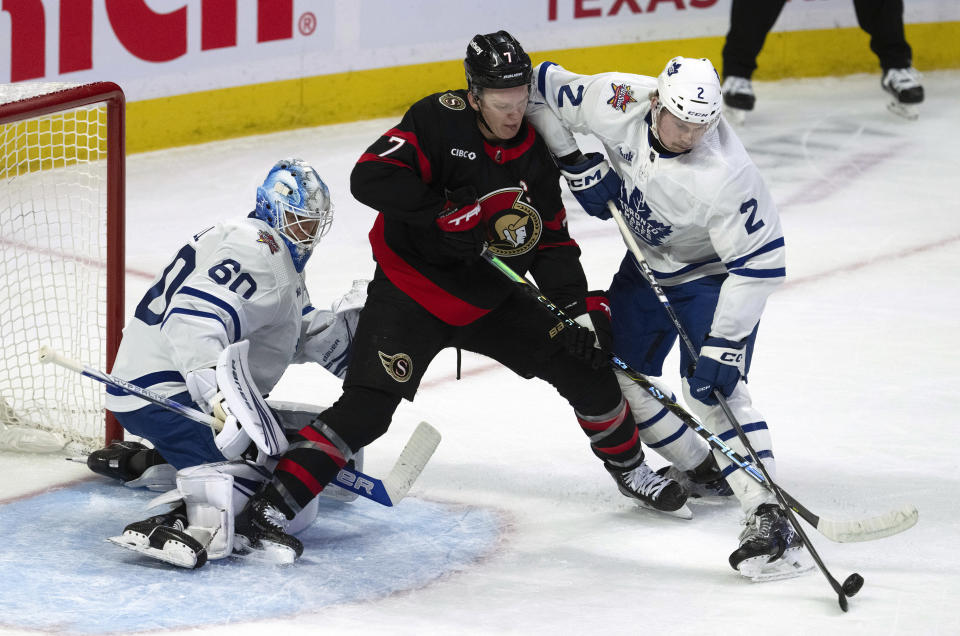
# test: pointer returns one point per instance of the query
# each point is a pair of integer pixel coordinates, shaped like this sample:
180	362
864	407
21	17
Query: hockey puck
853	584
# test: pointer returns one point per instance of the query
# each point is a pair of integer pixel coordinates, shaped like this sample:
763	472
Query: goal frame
75	97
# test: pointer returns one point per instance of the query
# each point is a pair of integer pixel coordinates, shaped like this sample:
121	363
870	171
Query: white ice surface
856	371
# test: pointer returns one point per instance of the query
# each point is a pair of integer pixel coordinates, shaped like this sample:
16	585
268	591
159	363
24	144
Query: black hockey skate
904	85
738	98
165	538
125	460
770	548
704	484
259	534
651	490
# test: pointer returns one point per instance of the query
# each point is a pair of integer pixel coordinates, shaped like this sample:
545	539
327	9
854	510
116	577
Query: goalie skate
164	537
770	549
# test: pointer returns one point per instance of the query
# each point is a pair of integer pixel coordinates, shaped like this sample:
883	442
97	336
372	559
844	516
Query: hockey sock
316	454
613	436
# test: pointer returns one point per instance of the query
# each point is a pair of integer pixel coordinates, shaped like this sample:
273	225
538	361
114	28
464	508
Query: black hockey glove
462	232
591	338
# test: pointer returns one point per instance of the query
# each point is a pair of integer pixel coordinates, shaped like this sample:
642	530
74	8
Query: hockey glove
202	385
462	235
593	183
720	367
591	338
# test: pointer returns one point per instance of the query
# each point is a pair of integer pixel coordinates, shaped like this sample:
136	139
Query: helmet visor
304	227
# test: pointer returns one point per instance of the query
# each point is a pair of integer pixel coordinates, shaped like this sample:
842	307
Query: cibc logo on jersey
515	225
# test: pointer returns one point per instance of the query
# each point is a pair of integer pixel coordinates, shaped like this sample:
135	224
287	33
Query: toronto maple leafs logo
637	214
267	239
622	95
673	68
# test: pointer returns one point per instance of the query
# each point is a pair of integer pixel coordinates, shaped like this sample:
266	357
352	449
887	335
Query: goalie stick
414	456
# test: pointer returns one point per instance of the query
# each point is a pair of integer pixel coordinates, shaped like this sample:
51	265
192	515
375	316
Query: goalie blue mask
295	200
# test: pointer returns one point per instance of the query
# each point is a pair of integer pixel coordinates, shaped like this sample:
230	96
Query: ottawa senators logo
267	239
515	224
453	102
399	366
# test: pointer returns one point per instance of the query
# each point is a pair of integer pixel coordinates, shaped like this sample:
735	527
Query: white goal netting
53	268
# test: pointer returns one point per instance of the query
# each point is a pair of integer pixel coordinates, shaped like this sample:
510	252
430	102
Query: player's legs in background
750	21
883	21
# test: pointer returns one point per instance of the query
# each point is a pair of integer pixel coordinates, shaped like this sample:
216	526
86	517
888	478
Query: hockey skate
259	534
904	86
738	98
134	464
704	484
652	491
770	549
164	537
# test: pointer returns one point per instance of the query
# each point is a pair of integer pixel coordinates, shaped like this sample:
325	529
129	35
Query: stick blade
885	525
413	458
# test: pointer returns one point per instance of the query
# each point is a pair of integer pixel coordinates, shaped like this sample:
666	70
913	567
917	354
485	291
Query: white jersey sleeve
326	336
603	105
235	281
696	214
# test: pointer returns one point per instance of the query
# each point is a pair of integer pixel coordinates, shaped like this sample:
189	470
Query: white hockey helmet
690	89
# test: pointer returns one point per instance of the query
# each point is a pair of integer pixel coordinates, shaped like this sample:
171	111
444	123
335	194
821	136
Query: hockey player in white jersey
237	282
710	232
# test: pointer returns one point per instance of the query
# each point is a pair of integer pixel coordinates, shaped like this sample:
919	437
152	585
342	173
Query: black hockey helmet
496	60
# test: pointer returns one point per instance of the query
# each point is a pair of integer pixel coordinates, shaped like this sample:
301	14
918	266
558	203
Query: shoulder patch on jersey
622	95
453	102
267	239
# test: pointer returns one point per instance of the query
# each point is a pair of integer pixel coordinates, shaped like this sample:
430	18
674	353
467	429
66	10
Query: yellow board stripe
343	97
53	141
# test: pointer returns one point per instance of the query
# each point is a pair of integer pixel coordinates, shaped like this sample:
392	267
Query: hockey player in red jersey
461	172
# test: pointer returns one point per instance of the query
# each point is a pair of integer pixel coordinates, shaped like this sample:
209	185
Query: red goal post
62	199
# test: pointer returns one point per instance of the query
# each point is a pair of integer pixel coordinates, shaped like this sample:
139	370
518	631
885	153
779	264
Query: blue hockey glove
593	183
720	366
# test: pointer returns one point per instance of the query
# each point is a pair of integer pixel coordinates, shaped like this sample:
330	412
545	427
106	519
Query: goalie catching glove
593	183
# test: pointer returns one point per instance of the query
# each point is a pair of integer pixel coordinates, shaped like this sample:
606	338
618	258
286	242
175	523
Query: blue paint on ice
58	572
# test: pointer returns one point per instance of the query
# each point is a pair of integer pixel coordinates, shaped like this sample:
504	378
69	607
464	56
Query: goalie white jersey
235	281
698	213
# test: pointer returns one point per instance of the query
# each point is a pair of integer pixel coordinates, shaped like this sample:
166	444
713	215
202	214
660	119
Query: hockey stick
387	492
854	582
868	529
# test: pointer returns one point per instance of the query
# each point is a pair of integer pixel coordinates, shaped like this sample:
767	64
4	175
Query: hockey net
61	259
